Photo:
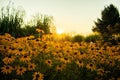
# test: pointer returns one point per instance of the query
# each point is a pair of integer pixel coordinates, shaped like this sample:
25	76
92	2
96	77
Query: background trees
39	21
12	22
109	24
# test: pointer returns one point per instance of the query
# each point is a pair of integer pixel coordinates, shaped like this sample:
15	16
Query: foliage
109	23
118	38
77	38
11	20
92	38
29	30
29	58
43	22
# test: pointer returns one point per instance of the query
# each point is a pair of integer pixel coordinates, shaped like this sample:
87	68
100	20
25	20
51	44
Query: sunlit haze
60	31
76	16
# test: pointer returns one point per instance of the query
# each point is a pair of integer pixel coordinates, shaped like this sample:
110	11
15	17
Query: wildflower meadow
43	58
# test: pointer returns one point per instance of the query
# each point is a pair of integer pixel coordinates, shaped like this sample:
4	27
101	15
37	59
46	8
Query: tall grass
11	20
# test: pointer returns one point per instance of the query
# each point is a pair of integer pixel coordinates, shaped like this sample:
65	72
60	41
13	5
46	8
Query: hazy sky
70	15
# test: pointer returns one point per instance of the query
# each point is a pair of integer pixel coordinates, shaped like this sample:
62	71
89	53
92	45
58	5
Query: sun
60	31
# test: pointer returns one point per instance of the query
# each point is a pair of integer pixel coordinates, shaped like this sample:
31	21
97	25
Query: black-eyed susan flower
8	35
91	66
79	63
100	72
25	58
8	59
57	53
60	67
67	60
64	60
20	70
17	52
30	37
31	66
38	76
48	62
38	30
6	69
111	62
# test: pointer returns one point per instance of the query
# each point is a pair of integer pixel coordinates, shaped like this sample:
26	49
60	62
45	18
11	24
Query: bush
78	38
92	38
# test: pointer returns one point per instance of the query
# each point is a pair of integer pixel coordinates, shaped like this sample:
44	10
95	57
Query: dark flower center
4	47
31	66
81	52
49	62
75	53
91	65
66	58
80	61
9	56
7	67
20	49
37	76
25	56
21	69
60	66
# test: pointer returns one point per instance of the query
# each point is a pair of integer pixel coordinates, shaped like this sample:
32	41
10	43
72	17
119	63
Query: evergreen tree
109	24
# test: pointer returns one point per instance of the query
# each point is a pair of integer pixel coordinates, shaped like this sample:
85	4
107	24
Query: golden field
43	58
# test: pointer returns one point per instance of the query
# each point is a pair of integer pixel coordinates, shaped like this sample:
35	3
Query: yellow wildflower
91	67
25	58
100	72
6	69
48	62
38	76
79	63
31	66
39	30
60	67
9	59
20	70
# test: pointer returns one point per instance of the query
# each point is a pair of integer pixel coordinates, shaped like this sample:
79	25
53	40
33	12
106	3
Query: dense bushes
92	38
77	38
89	38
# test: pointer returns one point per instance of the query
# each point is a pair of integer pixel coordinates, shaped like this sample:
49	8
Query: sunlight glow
60	31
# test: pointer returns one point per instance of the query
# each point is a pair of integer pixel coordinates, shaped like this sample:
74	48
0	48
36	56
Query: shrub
78	38
92	38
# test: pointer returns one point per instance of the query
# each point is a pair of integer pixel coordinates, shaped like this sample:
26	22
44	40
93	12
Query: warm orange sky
69	15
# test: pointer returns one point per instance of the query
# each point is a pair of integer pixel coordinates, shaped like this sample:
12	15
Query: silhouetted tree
109	24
